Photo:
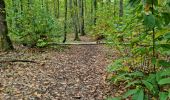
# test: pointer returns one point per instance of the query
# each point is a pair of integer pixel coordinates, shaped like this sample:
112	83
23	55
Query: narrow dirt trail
77	73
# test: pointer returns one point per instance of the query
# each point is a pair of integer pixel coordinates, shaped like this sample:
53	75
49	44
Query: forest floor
74	72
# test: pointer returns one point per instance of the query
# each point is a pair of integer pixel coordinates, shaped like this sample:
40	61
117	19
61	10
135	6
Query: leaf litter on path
76	73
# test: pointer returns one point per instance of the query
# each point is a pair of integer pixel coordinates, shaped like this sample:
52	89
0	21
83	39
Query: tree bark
95	11
65	22
55	8
115	3
82	18
121	9
91	11
58	8
5	42
75	21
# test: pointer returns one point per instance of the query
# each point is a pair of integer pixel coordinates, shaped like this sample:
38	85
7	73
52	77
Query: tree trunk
75	21
121	9
5	42
82	18
55	8
42	4
85	7
65	23
115	3
58	8
95	11
47	6
15	11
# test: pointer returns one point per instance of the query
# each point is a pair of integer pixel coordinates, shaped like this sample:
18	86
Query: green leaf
148	1
164	81
136	74
166	17
115	98
121	77
146	97
155	2
139	95
141	50
151	78
164	46
164	63
165	72
149	21
115	66
148	85
153	61
167	36
134	2
163	96
130	92
158	76
132	83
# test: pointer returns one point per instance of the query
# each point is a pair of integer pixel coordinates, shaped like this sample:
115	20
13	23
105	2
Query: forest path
76	73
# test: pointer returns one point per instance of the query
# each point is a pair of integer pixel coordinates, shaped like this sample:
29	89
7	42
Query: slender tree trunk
85	7
5	42
21	13
75	21
82	18
71	8
21	6
78	14
115	7
102	3
55	8
58	8
47	6
91	11
95	11
65	23
15	11
121	9
120	17
42	4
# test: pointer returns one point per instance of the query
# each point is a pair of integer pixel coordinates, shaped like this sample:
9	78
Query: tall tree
42	3
15	11
82	17
47	6
121	8
115	3
55	8
58	8
95	11
65	22
5	42
91	11
75	20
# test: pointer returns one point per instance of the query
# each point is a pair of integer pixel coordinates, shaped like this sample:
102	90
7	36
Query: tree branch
16	60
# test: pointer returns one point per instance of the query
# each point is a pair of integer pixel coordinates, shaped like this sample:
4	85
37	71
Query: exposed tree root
16	60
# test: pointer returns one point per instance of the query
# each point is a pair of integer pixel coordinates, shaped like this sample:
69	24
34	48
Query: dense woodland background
139	31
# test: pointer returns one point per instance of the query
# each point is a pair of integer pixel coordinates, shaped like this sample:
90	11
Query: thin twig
16	60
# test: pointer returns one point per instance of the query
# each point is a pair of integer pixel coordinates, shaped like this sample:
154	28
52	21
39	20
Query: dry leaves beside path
75	73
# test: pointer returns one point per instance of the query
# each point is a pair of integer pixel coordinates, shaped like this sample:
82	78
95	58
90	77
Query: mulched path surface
74	73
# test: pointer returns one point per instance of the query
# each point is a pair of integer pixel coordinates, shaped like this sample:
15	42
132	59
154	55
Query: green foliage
147	32
145	84
41	43
149	21
28	20
163	96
